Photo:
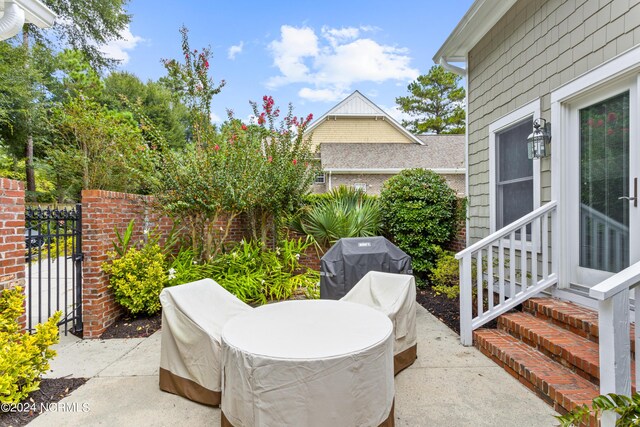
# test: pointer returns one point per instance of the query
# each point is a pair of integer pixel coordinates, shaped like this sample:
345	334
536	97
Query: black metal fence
53	240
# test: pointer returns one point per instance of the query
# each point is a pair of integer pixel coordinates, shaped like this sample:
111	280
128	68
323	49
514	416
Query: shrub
344	212
445	276
419	214
252	272
24	357
137	278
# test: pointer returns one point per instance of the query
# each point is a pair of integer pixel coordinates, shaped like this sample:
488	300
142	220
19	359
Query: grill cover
351	258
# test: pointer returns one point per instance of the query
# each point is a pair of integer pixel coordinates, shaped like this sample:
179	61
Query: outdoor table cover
308	363
193	315
395	296
346	262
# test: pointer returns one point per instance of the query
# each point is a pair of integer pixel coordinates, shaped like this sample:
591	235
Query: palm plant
344	212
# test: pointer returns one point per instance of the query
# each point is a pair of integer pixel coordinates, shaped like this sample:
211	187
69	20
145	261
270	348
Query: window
514	173
514	180
320	179
360	186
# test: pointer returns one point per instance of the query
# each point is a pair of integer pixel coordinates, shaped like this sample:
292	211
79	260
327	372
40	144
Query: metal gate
53	240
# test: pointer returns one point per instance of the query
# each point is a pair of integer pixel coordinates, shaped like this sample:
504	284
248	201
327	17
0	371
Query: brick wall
102	213
459	242
12	246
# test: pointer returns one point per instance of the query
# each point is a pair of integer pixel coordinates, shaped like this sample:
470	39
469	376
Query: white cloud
289	53
119	49
334	62
235	50
215	118
323	95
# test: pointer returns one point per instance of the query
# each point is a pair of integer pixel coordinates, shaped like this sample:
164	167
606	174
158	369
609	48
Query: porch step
555	384
572	351
577	319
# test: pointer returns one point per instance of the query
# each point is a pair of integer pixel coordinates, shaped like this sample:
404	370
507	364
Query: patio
448	385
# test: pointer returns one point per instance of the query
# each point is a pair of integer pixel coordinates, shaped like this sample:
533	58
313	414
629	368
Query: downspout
12	21
463	72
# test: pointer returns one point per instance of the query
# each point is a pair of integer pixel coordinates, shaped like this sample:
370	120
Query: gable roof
475	24
358	105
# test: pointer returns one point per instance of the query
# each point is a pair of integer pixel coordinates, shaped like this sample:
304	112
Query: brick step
572	351
555	384
575	318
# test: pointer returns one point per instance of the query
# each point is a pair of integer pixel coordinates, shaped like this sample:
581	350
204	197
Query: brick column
12	245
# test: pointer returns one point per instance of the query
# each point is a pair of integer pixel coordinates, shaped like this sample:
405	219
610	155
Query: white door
605	170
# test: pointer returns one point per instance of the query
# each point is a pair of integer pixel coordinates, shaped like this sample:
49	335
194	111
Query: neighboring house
15	13
360	145
575	64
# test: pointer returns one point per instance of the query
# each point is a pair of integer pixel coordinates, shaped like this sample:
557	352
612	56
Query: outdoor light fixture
538	141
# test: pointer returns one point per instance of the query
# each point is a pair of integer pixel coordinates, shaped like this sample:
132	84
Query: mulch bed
133	327
445	309
51	391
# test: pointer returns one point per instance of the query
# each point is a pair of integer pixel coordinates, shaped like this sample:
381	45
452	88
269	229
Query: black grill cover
351	258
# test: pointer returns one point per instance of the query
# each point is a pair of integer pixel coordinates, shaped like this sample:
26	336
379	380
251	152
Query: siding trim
531	109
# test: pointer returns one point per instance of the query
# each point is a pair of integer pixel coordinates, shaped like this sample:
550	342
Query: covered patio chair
193	315
395	296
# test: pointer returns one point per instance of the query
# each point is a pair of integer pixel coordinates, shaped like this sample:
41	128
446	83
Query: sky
309	54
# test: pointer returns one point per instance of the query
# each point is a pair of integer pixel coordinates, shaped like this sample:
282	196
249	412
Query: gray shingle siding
536	47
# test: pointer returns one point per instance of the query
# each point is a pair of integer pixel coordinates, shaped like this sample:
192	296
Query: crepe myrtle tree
288	169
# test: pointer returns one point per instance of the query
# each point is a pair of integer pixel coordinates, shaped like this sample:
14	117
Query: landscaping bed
52	390
130	327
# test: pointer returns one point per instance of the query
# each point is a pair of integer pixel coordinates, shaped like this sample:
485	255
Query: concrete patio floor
449	385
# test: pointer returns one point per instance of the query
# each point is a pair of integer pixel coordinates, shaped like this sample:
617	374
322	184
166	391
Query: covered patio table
308	363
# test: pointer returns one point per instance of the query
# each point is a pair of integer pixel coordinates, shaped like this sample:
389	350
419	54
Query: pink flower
600	122
269	159
612	117
217	147
244	127
261	119
295	162
610	131
590	122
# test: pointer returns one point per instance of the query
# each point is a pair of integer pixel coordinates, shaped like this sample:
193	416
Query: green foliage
137	278
446	276
24	357
628	409
105	148
436	101
420	213
343	212
86	25
123	241
251	272
154	100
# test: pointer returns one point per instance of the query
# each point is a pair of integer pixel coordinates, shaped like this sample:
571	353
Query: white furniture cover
395	296
312	363
193	316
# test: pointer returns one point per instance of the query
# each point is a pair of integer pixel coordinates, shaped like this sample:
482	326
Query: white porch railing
614	323
517	262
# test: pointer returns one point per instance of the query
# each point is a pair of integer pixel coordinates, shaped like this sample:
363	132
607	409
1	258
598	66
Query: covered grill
351	258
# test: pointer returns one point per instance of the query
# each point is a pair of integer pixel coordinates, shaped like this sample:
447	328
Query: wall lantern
538	141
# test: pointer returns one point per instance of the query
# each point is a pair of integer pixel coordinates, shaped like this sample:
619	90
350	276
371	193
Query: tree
153	99
85	25
437	103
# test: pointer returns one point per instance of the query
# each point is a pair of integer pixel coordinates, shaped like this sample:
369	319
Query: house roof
35	12
479	19
442	153
358	105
